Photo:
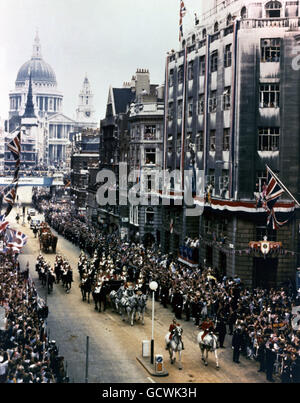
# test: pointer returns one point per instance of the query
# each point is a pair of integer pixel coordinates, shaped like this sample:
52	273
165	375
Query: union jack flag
3	224
15	147
273	190
15	239
10	196
182	13
273	222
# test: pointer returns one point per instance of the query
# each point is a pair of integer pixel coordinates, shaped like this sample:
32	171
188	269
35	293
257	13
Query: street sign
159	359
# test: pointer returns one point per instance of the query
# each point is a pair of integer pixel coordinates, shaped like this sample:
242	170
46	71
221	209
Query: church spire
37	54
29	108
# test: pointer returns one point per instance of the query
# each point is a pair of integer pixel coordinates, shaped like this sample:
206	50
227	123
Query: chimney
142	82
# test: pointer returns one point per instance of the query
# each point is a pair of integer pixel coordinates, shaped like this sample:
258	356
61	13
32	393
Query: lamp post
153	287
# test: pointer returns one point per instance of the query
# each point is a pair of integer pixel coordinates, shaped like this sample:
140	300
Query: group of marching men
61	271
100	277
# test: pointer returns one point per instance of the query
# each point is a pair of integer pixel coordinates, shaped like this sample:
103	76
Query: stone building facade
232	108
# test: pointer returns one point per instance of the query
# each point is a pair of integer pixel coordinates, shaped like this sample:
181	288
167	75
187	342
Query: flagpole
268	168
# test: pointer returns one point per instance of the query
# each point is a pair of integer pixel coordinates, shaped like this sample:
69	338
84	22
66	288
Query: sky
105	39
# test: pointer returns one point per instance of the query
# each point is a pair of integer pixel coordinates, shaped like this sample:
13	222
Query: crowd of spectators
263	317
26	354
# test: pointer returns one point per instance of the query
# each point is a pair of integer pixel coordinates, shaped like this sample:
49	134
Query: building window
212	107
202	65
150	132
178	143
268	139
150	156
149	216
199	141
207	226
214	61
224	180
226	98
180	75
273	9
170	144
226	139
171	78
179	109
210	178
136	215
170	111
212	140
201	104
190	107
243	13
222	229
228	56
261	180
204	33
131	214
270	50
191	70
216	27
269	95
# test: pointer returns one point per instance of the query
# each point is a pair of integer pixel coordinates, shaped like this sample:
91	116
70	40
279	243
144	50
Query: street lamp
153	286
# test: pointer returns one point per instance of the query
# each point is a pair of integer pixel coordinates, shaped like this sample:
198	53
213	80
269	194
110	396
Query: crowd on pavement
26	353
259	320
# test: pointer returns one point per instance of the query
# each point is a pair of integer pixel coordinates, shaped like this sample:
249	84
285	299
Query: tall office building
232	108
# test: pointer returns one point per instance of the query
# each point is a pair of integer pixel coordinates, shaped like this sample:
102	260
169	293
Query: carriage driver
172	327
207	325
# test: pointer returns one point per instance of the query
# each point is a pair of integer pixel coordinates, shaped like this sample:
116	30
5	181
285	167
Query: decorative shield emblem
265	247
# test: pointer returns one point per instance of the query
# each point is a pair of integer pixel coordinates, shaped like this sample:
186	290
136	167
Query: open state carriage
47	239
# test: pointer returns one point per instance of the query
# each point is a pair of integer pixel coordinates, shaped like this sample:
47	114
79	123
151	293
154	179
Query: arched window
149	218
229	19
204	33
273	9
216	27
193	38
243	13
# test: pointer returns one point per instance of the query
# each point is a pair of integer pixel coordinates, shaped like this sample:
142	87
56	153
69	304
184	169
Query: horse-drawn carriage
46	238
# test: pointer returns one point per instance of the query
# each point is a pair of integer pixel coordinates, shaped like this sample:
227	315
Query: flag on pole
10	195
272	191
182	13
15	146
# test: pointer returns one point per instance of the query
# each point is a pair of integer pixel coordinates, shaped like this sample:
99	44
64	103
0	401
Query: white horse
128	305
141	306
174	345
115	297
209	343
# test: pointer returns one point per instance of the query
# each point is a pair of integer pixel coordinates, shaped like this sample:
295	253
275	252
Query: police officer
270	360
236	344
221	330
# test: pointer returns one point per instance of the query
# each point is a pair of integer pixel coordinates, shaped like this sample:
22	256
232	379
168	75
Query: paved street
114	345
